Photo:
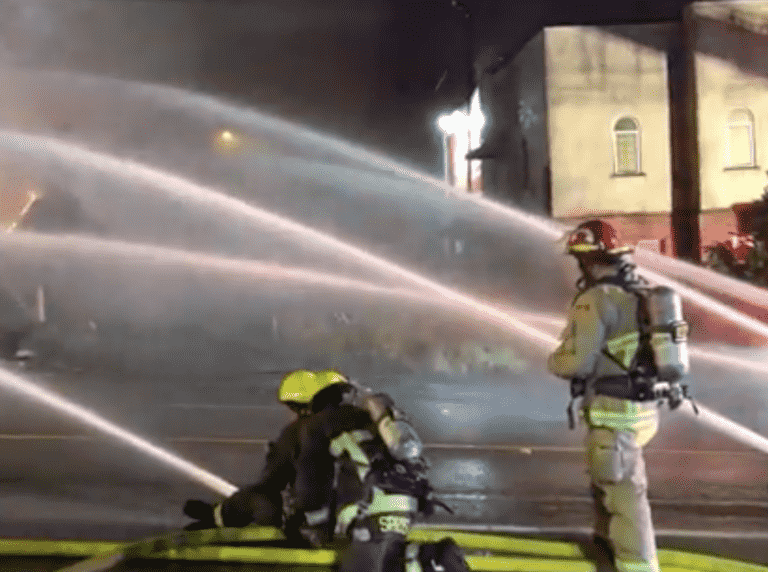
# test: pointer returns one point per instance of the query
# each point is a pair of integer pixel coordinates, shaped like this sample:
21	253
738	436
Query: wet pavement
519	469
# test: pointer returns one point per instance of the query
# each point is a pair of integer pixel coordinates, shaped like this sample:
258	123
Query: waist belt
617	386
623	387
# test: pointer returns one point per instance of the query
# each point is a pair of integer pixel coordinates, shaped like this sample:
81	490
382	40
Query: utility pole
686	186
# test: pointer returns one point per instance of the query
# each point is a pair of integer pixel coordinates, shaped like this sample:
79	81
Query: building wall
716	225
731	63
515	97
594	77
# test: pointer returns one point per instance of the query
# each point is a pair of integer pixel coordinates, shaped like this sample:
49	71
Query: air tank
398	435
669	334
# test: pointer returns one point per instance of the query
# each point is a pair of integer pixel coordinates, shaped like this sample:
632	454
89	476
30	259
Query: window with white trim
740	139
626	146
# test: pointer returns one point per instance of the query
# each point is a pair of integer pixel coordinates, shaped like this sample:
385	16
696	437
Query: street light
469	126
451	125
470	71
227	140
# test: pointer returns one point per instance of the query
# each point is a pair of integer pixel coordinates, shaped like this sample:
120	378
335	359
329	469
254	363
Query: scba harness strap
640	383
392	486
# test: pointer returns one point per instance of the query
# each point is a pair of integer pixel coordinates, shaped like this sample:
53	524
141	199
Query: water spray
18	384
716	422
207	196
550	229
32	199
245	119
186	189
120	252
208	104
555	232
725	426
273	272
648	261
176	97
165	256
701	353
189	190
721	358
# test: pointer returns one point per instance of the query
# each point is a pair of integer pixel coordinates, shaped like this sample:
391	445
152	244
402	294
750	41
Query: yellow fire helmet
329	377
302	385
299	386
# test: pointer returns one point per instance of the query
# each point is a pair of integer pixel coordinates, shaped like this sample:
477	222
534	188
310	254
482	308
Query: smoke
315	61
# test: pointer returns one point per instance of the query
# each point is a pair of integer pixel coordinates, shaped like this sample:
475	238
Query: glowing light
464	130
453	123
18	384
459	122
227	141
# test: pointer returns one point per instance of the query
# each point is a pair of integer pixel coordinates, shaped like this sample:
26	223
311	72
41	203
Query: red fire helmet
595	236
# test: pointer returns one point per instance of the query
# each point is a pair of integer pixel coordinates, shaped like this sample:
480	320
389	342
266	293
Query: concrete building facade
655	127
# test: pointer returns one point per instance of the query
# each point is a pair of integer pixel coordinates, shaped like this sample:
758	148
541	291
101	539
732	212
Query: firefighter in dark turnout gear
355	474
610	353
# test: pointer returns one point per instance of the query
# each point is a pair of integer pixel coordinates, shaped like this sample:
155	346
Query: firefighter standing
610	350
355	473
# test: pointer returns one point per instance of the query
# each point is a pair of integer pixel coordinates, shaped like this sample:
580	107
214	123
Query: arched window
626	146
740	139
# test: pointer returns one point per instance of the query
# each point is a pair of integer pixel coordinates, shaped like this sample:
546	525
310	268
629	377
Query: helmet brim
579	249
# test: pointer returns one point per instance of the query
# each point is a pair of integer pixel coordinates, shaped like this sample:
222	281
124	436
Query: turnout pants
372	549
377	539
383	552
619	489
376	532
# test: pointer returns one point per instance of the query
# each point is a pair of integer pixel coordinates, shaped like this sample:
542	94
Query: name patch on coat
392	523
584	307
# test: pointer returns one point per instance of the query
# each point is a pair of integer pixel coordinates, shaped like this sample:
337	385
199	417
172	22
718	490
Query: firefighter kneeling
355	473
622	342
